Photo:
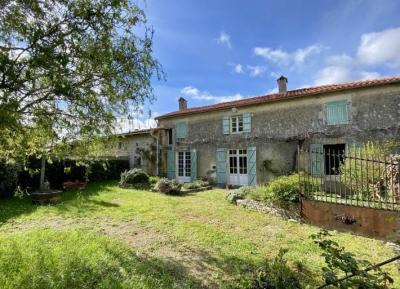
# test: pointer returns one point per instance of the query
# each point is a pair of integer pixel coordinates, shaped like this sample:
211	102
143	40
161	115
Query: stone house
140	148
253	140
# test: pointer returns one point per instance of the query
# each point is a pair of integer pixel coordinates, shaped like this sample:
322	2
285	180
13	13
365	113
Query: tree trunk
42	173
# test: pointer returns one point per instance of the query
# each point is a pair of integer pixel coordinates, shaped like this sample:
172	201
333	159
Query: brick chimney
282	84
182	103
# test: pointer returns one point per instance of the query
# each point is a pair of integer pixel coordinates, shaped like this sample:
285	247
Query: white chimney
282	84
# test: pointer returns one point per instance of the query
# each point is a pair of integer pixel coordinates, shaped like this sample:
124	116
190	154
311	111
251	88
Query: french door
184	166
237	162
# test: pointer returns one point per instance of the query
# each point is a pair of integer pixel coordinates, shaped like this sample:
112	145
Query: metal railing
355	177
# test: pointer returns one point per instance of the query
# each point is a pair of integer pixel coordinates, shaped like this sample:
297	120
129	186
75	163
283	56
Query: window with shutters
181	130
237	124
337	112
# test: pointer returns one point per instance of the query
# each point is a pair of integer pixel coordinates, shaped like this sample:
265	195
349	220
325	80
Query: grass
194	241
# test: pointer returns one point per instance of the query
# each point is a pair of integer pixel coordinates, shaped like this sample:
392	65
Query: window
333	158
337	112
181	130
121	145
184	162
169	136
238	162
237	124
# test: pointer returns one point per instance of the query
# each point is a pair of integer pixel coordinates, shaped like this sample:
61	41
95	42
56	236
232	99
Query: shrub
340	263
154	179
287	188
134	177
8	178
195	184
360	174
169	187
238	194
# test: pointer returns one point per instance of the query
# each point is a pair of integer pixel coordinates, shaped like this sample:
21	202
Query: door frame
238	179
185	178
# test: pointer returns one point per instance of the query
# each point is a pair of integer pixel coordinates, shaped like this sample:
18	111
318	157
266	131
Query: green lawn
193	241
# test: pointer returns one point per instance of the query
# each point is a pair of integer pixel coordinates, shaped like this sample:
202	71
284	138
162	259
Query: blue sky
213	51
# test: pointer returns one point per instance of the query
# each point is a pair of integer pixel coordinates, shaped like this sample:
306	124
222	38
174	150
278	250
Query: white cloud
124	125
252	70
255	70
238	68
337	74
196	94
380	48
224	39
281	57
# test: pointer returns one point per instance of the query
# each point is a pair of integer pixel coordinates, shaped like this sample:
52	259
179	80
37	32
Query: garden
111	236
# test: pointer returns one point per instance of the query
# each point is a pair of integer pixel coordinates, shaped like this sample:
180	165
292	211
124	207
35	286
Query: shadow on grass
14	207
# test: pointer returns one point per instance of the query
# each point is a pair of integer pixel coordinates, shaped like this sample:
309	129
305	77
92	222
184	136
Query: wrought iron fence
357	177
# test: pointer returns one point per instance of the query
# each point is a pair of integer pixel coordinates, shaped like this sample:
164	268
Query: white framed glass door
237	164
184	166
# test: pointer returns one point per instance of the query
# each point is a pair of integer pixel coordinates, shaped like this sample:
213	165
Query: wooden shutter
316	159
252	166
247	122
226	127
181	130
337	112
221	166
193	165
171	164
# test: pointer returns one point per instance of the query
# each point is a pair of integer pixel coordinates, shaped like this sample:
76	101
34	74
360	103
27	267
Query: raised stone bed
197	189
292	212
50	197
77	185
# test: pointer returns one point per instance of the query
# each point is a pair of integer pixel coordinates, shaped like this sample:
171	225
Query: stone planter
50	197
292	212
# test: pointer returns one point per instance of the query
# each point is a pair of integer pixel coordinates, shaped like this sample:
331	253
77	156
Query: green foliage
169	187
195	185
45	259
238	194
8	178
277	274
154	179
135	177
68	67
340	263
287	188
359	174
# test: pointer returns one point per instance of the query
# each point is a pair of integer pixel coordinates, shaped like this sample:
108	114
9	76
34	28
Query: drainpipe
157	152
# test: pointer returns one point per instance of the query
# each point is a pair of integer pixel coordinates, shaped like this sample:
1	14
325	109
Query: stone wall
279	127
376	223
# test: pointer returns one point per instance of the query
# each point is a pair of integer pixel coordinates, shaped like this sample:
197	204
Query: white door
237	163
184	167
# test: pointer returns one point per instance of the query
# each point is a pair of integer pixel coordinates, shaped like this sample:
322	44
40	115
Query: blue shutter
226	127
193	165
171	164
247	122
252	166
181	130
316	159
337	112
221	166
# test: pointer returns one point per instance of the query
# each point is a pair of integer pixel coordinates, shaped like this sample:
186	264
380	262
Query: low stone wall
292	212
376	223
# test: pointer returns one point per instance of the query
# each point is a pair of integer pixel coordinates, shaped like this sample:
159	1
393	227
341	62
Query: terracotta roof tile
280	96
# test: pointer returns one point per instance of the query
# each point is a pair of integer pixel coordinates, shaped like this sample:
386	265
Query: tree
67	68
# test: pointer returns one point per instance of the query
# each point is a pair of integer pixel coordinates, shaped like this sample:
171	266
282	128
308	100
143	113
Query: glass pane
233	165
240	123
187	164
243	165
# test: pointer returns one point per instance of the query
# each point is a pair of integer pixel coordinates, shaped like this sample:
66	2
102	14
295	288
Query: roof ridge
312	90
